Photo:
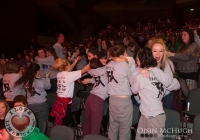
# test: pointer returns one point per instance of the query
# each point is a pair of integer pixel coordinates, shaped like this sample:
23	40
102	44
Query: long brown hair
28	77
184	46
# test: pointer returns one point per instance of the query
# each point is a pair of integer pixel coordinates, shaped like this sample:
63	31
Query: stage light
191	9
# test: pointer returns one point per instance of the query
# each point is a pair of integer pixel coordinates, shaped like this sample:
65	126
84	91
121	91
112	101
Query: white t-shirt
65	83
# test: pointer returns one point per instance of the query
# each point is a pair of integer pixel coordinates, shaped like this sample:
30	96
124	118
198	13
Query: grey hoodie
46	65
100	81
118	78
9	90
39	94
151	90
59	50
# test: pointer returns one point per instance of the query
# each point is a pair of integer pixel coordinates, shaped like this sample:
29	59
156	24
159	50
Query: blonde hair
165	57
60	64
6	104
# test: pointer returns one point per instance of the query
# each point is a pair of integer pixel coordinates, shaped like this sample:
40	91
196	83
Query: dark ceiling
70	16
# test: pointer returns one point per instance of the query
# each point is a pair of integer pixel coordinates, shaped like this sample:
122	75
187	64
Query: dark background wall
22	20
17	25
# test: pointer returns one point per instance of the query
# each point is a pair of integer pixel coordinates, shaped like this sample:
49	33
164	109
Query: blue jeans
168	101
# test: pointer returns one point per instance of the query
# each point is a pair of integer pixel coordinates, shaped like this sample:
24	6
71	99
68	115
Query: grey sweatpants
121	116
151	128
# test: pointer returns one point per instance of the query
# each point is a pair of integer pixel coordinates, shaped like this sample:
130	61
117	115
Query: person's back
11	75
40	85
94	104
66	83
120	104
35	90
151	92
61	109
118	81
8	86
100	82
149	81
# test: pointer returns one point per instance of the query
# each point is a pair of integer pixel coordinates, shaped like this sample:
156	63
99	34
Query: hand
85	81
145	72
79	81
77	52
170	54
47	74
51	68
78	58
20	73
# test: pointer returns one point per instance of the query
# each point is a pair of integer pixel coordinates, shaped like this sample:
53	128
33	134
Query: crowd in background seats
79	52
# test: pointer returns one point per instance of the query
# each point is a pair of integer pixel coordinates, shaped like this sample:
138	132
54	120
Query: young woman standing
159	51
186	61
36	91
95	101
47	66
61	109
120	104
151	90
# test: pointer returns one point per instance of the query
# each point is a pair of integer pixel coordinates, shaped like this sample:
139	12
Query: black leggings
67	119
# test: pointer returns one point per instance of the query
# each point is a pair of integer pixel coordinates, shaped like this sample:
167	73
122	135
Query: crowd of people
141	66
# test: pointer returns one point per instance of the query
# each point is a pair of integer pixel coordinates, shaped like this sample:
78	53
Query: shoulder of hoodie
136	73
11	75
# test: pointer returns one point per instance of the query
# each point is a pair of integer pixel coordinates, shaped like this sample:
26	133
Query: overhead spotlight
191	9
